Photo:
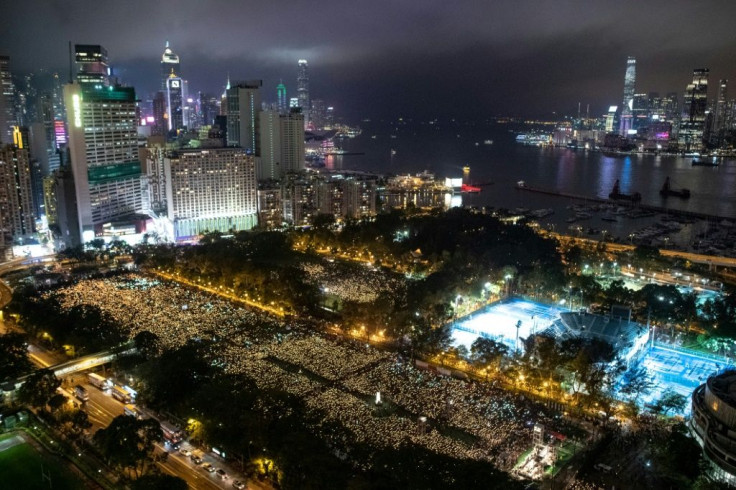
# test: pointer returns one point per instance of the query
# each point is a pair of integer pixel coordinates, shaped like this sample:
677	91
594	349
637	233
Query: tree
148	344
487	352
38	388
159	482
636	382
128	443
13	356
670	401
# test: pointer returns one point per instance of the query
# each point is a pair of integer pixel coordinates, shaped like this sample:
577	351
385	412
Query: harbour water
444	148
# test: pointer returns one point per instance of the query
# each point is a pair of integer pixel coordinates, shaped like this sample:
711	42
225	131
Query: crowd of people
351	282
336	378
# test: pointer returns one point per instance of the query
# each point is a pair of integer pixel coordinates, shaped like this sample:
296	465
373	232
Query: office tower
282	101
282	144
243	105
720	112
329	118
292	141
293	102
170	63
318	113
174	103
671	107
269	167
695	104
160	116
92	67
628	101
209	108
611	118
210	190
103	145
302	89
7	102
639	111
16	202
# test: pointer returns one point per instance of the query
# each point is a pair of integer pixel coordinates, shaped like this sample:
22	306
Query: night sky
390	58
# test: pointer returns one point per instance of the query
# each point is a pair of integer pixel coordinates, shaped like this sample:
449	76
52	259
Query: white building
103	145
210	190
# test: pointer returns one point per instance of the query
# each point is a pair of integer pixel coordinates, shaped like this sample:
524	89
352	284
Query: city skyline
527	59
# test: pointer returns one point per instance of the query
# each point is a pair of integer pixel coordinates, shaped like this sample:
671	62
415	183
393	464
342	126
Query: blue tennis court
681	371
498	322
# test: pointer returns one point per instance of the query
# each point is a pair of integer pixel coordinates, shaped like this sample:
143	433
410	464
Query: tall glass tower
629	90
302	89
283	102
170	63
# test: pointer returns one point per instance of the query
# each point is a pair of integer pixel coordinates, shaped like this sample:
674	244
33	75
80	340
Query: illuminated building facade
7	102
713	424
16	201
628	101
281	100
720	113
210	190
243	124
103	145
92	66
170	63
695	105
302	89
175	103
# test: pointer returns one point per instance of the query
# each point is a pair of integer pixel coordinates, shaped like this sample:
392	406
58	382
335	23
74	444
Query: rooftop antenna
578	110
587	111
70	62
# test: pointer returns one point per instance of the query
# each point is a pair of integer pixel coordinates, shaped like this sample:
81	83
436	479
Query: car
196	459
185	452
238	484
222	474
208	468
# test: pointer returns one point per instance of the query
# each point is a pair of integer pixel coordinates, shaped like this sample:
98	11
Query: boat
488	142
608	217
469	188
542	213
666	191
521	184
618	195
704	163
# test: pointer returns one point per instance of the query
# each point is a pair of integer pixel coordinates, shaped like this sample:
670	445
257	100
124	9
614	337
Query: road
102	408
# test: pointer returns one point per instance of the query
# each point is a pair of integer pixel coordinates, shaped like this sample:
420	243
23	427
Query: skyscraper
7	102
103	145
302	89
282	144
16	202
169	63
282	101
720	112
92	66
243	104
292	141
175	102
695	104
629	90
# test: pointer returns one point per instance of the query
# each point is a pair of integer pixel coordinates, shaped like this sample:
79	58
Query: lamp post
508	277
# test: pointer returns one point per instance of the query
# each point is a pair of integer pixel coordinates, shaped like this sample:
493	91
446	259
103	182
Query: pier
522	186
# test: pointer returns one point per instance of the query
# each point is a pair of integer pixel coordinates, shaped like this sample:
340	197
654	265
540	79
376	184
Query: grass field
20	467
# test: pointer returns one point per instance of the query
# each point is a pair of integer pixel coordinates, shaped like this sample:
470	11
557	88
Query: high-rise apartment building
210	190
16	201
302	89
92	66
720	113
695	105
7	102
292	141
103	145
243	105
626	122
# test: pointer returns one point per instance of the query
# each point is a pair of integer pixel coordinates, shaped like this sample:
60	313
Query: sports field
22	467
679	370
498	322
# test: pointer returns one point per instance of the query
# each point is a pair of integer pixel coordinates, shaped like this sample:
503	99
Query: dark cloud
386	57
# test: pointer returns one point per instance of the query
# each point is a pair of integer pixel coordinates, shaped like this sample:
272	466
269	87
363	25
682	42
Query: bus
98	381
131	410
81	393
172	434
121	395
